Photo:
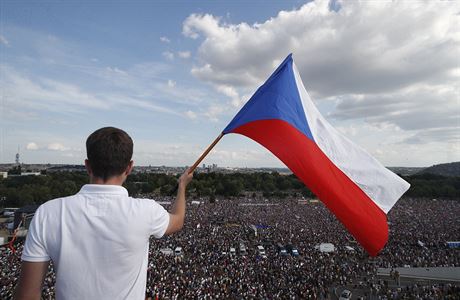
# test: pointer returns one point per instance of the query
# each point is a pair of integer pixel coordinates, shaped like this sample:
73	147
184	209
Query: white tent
326	247
167	251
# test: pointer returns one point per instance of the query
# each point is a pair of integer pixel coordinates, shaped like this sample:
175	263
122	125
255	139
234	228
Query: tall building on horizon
17	157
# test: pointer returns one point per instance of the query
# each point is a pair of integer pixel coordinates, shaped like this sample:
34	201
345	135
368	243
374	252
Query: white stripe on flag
380	184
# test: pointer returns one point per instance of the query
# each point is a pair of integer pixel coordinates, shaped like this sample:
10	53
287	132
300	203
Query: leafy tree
24	190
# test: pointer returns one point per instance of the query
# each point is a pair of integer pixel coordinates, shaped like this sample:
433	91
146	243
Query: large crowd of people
207	269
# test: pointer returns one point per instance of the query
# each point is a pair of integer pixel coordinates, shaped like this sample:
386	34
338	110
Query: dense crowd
207	270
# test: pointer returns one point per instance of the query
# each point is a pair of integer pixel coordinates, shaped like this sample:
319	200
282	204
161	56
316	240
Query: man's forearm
177	211
178	207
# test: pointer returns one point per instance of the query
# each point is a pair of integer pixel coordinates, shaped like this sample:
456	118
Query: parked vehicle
178	251
243	249
295	252
281	249
345	295
267	243
261	251
291	249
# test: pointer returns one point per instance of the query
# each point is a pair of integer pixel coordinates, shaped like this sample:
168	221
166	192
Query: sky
174	73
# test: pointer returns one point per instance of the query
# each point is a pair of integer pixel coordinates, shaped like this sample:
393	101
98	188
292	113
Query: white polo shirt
98	241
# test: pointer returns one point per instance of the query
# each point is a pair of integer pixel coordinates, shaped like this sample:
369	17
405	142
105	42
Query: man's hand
185	178
177	213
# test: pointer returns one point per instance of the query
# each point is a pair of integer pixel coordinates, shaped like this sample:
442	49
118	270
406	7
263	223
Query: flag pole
206	152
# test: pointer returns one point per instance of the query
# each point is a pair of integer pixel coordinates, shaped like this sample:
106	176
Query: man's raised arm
177	212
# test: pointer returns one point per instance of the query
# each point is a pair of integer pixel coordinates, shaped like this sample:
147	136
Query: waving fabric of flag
349	181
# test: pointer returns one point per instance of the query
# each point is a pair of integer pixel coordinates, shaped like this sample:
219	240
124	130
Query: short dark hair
109	151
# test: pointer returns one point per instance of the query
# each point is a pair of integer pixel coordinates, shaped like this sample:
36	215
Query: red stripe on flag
360	215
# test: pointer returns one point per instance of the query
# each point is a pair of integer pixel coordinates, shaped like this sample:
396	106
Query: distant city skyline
173	74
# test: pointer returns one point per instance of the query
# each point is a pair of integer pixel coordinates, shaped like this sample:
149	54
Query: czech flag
349	181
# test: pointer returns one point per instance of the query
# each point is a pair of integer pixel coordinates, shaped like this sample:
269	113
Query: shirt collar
103	189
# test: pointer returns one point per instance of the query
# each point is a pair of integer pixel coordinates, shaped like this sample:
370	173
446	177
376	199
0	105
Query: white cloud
230	92
171	83
430	109
165	39
364	39
230	151
184	54
168	55
31	94
57	147
56	80
32	146
22	92
214	111
190	114
358	56
4	41
206	24
116	70
243	157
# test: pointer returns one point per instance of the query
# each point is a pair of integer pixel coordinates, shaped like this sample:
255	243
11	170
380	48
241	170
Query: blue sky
173	74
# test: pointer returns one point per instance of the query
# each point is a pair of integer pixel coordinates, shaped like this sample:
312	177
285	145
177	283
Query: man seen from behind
98	239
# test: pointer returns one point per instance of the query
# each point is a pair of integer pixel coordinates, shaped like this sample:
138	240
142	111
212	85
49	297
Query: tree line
18	191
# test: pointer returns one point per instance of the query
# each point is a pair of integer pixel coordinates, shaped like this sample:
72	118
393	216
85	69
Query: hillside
406	171
449	169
